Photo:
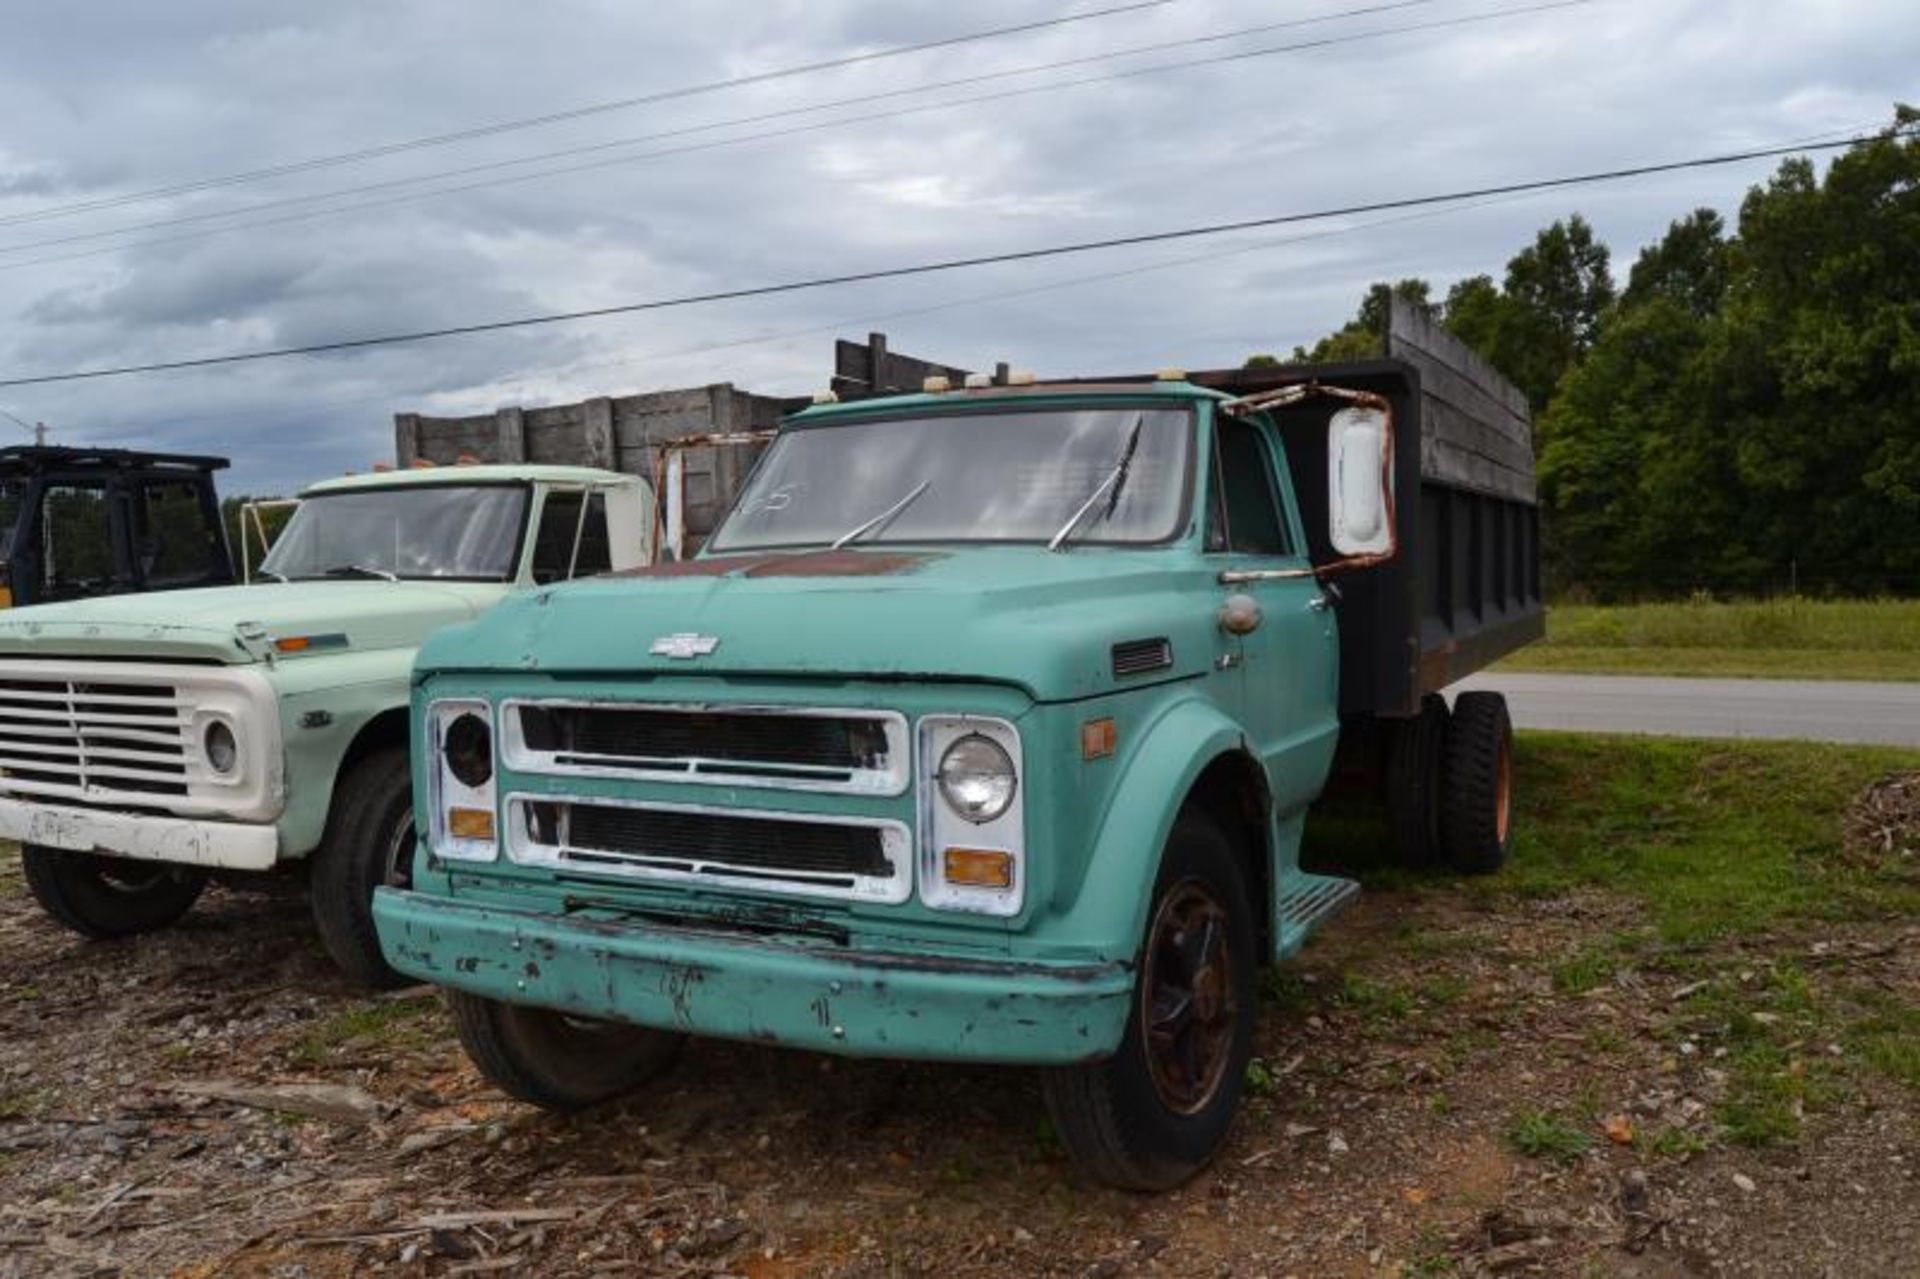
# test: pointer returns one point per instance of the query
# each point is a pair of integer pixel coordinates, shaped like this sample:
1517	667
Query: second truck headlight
977	778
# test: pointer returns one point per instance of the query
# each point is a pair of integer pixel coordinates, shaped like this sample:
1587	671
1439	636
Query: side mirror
1359	486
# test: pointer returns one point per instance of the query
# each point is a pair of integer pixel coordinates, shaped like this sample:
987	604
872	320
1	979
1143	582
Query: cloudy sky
105	102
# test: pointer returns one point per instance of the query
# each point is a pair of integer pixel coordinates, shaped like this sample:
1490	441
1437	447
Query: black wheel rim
1191	1010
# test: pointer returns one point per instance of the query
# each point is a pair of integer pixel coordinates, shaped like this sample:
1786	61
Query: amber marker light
470	823
306	643
1098	737
979	868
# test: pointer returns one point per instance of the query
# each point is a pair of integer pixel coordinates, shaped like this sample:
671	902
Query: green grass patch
1543	1134
1762	639
1712	839
402	1024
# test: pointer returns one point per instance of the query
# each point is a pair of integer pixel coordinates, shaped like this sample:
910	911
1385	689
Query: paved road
1810	710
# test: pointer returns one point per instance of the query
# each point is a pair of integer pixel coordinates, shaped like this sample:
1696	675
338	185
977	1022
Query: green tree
1556	294
1364	336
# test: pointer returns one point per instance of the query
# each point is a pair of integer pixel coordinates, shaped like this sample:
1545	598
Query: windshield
970	477
437	530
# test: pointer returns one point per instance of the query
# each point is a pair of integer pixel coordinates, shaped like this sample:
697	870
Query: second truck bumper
825	998
143	837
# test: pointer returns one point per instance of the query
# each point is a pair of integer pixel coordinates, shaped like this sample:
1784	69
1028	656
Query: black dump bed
1464	588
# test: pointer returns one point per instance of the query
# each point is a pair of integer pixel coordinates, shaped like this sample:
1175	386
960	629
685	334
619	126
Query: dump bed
1464	588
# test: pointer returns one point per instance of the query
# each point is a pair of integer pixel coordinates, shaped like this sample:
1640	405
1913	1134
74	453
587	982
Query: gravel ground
1429	1099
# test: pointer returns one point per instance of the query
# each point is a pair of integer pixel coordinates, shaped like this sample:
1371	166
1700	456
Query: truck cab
80	522
147	741
984	728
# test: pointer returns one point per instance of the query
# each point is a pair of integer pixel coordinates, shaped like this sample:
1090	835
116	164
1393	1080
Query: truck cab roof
484	474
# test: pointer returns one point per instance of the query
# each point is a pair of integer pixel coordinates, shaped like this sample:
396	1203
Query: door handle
1320	603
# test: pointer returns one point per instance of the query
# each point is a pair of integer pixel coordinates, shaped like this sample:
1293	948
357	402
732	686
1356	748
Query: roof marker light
1170	375
825	397
1022	377
979	381
936	384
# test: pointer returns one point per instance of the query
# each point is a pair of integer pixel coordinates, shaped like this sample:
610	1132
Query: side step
1307	902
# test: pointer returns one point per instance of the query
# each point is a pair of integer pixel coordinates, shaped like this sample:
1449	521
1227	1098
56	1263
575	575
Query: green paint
1012	632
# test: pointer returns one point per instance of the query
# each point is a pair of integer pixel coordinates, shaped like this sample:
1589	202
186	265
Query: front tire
369	842
1154	1114
108	897
554	1061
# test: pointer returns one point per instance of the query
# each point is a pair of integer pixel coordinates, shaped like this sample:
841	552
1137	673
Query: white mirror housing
1359	482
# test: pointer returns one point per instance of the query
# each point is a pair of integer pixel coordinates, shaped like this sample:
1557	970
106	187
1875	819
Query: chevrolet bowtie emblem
685	645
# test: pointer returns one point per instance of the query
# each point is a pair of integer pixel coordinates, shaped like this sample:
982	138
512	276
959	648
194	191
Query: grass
400	1024
1761	639
1543	1134
1710	839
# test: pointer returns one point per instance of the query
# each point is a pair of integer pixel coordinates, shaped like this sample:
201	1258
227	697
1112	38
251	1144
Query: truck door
1286	677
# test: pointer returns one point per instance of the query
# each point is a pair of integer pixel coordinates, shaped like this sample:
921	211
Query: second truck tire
369	842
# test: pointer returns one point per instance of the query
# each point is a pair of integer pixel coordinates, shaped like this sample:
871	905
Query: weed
1675	1142
397	1024
1542	1134
1261	1079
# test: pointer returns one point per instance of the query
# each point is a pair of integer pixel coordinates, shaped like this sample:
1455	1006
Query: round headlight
222	751
468	747
976	778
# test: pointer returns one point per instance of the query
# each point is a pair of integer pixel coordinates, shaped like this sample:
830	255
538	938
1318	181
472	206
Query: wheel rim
397	869
1191	1009
1503	789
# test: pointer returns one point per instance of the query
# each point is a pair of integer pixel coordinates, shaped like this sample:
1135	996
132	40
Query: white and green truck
147	741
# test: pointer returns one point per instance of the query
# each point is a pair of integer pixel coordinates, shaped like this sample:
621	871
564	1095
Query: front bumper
803	995
144	837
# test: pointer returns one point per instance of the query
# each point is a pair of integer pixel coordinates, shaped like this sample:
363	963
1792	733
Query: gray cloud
123	95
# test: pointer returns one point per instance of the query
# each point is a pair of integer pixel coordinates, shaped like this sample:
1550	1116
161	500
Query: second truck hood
1017	615
214	623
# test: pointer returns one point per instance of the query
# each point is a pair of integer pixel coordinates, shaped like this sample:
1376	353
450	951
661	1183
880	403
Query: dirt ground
1432	1097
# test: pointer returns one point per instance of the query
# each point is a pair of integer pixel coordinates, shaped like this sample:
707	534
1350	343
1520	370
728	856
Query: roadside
1841	711
1768	639
1681	1035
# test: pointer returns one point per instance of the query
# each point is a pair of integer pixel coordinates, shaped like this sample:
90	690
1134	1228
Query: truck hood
1017	615
237	623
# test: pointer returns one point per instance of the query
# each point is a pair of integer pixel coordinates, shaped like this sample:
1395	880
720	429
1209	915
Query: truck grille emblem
685	645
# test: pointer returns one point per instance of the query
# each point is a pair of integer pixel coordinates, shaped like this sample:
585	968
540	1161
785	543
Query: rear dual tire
1448	781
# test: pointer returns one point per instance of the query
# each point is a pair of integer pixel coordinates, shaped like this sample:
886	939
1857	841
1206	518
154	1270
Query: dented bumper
804	995
144	837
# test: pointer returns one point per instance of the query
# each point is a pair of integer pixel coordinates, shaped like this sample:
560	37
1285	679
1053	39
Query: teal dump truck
149	741
984	728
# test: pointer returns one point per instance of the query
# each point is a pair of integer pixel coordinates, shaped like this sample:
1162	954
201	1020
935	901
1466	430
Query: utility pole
39	429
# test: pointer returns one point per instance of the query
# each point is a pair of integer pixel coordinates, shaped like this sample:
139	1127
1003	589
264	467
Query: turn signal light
470	823
979	868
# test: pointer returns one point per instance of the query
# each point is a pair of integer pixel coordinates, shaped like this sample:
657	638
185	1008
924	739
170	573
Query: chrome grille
778	852
92	741
793	748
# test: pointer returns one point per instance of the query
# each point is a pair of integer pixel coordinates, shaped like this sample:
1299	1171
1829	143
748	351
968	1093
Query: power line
573	113
949	264
794	130
492	166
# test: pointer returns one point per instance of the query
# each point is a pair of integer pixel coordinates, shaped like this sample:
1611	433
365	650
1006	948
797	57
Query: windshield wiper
359	570
267	572
1115	480
881	518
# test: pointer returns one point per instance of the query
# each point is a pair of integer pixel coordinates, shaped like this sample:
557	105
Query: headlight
460	741
222	751
976	778
468	747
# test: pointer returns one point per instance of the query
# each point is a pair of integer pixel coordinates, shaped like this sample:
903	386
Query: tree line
1744	414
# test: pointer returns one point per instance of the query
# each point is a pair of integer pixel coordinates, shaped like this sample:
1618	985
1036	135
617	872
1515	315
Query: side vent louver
1139	657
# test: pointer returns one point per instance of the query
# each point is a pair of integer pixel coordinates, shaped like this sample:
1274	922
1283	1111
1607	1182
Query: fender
324	703
1172	750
